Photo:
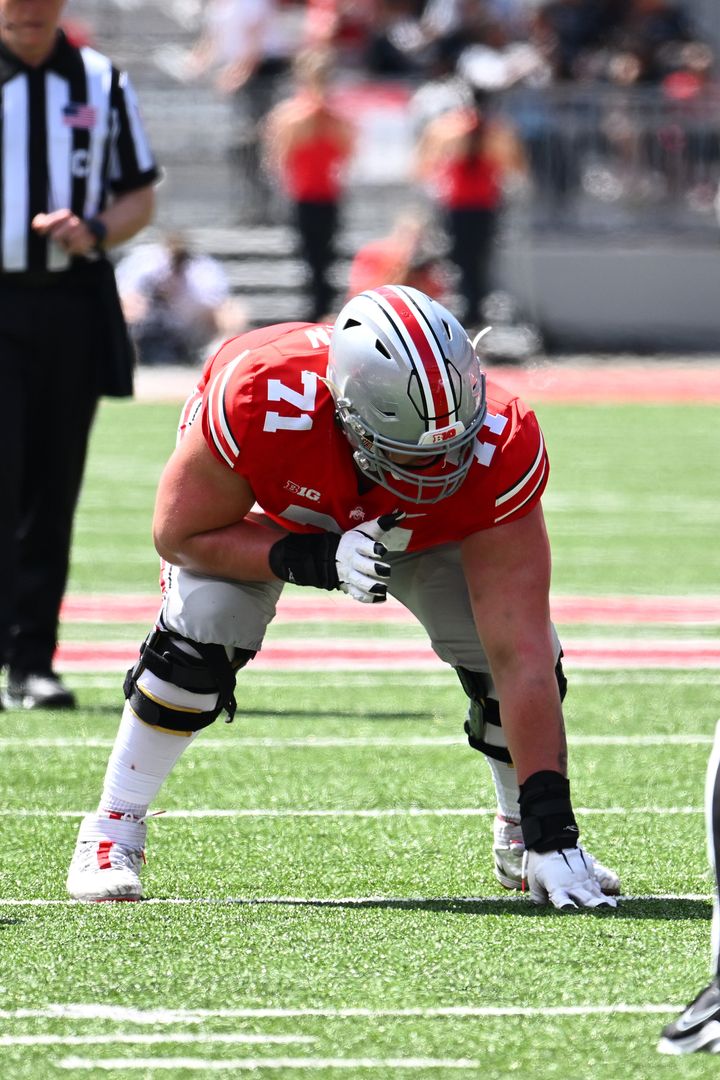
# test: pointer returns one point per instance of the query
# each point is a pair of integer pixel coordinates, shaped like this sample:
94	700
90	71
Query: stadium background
321	892
621	262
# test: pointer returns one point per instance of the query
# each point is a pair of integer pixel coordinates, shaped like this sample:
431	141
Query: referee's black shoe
698	1027
37	690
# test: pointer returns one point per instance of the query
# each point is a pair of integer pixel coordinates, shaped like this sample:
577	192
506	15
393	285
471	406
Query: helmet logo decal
441	435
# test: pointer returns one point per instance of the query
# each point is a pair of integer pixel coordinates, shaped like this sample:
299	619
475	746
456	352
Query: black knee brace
486	710
209	673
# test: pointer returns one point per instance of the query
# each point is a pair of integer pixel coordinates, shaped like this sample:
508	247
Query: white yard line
252	1064
154	1039
359	742
129	1015
388	812
330	902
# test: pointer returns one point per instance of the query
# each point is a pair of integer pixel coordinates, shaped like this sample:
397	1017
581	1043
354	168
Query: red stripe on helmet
437	378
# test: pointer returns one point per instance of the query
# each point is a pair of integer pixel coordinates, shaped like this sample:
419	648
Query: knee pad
484	710
205	670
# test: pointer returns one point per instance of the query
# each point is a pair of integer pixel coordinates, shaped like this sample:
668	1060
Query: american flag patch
77	115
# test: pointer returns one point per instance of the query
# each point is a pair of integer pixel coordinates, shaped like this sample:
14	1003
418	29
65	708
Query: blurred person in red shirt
470	158
345	25
308	145
406	256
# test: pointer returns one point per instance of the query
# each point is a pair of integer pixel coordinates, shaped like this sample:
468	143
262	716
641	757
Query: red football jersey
267	414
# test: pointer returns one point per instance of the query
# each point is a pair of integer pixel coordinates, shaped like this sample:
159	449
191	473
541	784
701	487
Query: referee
76	177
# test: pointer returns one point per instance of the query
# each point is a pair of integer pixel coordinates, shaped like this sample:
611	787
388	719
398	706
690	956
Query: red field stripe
678	610
388	655
685	610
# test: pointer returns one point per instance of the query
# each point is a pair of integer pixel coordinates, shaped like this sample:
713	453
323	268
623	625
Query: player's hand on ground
566	879
362	570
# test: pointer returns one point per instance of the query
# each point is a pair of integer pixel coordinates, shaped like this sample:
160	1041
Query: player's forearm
128	214
533	722
238	552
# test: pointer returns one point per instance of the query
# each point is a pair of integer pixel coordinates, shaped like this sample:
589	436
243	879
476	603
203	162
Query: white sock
140	761
507	790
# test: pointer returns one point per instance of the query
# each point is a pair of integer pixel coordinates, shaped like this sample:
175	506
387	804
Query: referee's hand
66	230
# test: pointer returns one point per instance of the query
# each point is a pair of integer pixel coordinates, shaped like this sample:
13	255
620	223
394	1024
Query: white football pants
429	583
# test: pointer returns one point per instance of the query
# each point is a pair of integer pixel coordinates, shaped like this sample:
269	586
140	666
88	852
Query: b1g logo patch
303	492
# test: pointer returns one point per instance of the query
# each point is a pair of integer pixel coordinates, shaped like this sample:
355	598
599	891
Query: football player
371	457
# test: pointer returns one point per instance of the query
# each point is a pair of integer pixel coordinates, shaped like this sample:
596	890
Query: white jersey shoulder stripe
524	479
528	497
219	427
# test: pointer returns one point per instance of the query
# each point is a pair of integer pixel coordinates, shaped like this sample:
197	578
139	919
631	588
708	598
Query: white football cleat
107	859
697	1028
509	849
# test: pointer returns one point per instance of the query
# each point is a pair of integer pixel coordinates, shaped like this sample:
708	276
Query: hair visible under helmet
406	381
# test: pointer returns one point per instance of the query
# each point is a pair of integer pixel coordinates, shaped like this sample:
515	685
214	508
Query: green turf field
321	898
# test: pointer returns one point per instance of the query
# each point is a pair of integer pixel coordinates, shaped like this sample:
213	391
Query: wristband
546	814
306	559
99	230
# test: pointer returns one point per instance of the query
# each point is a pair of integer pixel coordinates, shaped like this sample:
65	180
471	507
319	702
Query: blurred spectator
406	32
443	89
408	255
308	144
471	158
514	15
344	25
570	32
175	301
491	59
244	47
659	38
618	41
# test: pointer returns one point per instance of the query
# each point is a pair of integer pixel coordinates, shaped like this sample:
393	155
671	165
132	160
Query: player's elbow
169	544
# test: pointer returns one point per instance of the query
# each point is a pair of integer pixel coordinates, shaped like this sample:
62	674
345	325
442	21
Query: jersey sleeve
132	162
524	470
227	405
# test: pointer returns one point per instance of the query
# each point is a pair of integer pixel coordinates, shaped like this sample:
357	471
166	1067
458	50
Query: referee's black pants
317	225
472	232
48	397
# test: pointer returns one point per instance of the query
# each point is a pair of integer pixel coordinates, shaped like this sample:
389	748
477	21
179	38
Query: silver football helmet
409	391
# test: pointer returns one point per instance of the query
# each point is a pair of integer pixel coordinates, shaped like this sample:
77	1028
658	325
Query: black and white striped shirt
70	134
